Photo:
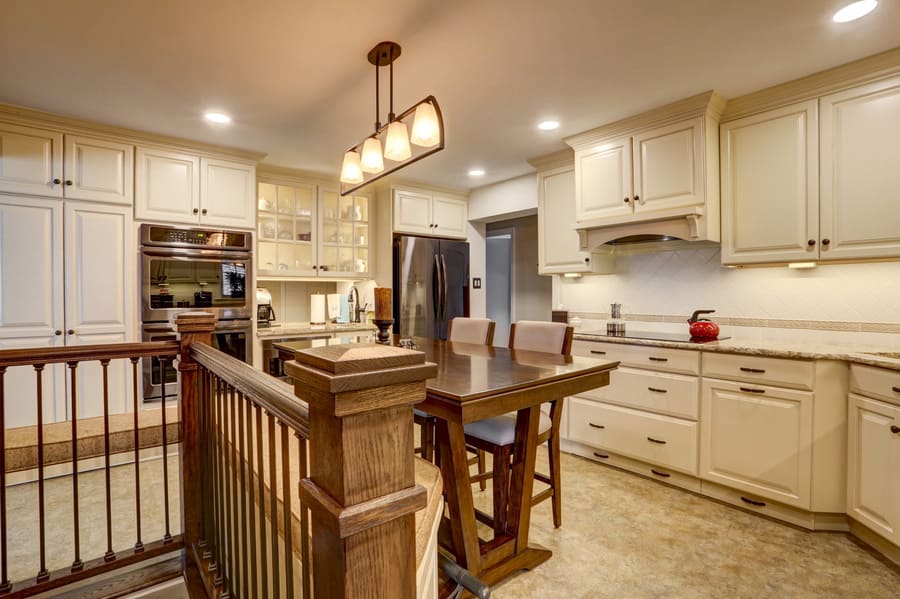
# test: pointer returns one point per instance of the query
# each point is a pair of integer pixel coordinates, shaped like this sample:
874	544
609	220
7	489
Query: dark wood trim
126	583
85	353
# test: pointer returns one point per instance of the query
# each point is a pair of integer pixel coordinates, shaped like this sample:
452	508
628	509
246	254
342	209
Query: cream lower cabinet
422	212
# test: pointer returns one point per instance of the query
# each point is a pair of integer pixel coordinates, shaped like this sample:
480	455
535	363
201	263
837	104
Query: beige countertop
885	356
301	329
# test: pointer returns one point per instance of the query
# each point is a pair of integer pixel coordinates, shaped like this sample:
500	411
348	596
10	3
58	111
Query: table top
468	372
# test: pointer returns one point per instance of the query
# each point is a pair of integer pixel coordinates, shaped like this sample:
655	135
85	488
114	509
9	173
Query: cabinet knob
195	210
811	242
315	267
69	182
203	211
56	181
895	429
70	332
57	332
637	198
627	200
826	241
587	260
435	226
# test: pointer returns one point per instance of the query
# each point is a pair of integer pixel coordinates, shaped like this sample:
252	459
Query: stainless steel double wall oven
188	268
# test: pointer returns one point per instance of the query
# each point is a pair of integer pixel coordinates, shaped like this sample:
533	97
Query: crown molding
31	117
555	160
865	70
709	103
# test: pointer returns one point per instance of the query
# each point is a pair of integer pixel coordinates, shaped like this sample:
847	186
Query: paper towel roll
317	308
334	305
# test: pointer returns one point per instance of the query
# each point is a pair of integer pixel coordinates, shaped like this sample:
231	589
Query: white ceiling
294	74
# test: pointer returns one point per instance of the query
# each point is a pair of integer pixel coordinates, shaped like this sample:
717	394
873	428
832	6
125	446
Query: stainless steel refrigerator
431	285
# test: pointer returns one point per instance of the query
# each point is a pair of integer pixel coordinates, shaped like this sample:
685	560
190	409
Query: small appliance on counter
615	326
703	328
265	315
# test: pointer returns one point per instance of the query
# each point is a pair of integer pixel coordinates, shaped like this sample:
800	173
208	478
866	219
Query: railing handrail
84	353
275	396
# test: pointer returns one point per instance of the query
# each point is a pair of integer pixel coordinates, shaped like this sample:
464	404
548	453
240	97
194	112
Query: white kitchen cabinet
167	186
604	184
757	439
668	167
770	186
860	154
227	193
31	160
421	212
873	486
98	170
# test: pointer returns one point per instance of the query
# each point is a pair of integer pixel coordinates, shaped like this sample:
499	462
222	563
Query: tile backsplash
677	282
290	299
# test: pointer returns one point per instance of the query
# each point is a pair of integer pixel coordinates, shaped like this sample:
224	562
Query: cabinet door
100	284
603	181
449	216
31	302
668	167
99	170
860	154
30	160
757	439
227	193
412	212
770	186
873	485
559	249
167	186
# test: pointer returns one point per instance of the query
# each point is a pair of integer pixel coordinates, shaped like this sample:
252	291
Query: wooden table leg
455	472
522	483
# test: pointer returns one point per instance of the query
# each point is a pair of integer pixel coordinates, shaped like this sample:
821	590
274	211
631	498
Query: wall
861	297
498	285
532	293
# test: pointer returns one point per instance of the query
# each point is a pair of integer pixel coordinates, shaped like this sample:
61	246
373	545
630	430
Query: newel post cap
195	322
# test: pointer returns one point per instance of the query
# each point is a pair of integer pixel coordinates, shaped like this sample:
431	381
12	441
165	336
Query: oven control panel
169	236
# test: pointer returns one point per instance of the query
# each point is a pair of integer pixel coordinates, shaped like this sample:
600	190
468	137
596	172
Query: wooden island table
475	382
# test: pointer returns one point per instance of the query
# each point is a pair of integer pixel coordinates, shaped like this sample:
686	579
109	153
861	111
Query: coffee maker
265	315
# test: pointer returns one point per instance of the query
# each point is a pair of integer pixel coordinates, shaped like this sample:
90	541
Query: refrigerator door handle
446	290
436	287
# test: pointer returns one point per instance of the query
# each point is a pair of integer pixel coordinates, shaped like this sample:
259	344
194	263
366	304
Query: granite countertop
859	353
301	329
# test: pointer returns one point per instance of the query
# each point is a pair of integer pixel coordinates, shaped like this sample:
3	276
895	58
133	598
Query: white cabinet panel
99	170
559	248
412	212
167	186
668	167
770	186
860	154
20	386
603	184
227	193
449	216
30	160
89	400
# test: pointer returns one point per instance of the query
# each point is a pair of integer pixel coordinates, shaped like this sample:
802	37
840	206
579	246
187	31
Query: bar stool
497	435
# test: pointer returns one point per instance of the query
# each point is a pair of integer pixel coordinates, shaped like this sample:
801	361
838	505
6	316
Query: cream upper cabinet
99	170
420	212
559	250
860	155
167	186
227	193
770	186
603	183
31	160
668	167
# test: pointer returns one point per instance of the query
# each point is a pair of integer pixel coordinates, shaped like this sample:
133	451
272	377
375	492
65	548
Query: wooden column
193	327
361	488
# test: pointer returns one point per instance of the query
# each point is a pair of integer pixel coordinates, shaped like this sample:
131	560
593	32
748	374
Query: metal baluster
43	573
139	545
163	365
109	555
305	558
286	510
242	529
5	585
262	500
217	484
77	564
206	492
230	499
251	488
273	506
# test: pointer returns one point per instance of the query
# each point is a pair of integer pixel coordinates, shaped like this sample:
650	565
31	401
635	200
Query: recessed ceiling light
217	117
476	172
854	11
548	125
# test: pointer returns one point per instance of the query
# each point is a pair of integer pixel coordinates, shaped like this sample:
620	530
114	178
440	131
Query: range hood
687	224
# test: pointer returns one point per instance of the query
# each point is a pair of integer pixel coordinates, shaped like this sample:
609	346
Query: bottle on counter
615	326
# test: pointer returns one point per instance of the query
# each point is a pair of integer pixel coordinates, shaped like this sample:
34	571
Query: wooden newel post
362	488
193	327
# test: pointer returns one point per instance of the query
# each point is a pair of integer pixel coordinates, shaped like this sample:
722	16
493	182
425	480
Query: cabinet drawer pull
603	353
753	370
602	456
655	359
753	502
895	389
895	429
652	440
592	425
658	473
655	390
749	390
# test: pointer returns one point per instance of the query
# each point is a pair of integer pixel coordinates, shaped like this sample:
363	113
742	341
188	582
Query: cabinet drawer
685	361
670	442
879	383
664	393
756	369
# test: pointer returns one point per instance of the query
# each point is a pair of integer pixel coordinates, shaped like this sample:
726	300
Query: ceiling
294	74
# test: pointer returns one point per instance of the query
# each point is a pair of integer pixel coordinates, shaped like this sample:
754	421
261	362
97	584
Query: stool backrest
534	335
471	330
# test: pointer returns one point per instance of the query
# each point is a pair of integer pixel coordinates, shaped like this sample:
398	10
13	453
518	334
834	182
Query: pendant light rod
391	113
377	95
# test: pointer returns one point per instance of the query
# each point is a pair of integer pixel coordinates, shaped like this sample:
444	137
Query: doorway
498	282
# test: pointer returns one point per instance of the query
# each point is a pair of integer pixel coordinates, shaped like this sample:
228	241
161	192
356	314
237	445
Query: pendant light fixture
415	133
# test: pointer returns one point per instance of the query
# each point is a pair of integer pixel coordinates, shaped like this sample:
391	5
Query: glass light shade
351	171
425	130
396	146
371	156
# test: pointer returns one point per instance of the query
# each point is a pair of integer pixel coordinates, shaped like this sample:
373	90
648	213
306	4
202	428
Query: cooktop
655	336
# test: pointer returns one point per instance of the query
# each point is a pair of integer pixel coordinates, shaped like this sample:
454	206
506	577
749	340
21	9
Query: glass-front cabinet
311	231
